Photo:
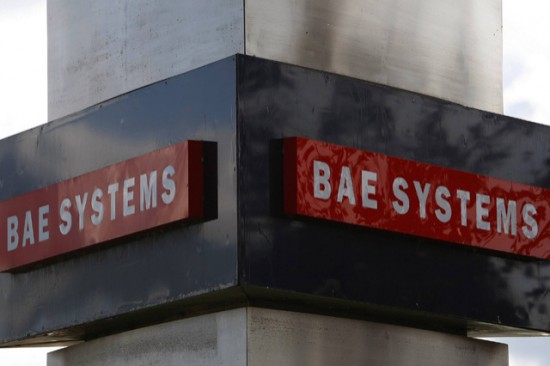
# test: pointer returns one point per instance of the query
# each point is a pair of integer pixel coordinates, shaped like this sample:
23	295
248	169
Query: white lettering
401	207
13	236
112	190
482	211
422	194
65	216
97	206
148	191
531	228
43	233
506	217
168	184
81	207
464	197
28	231
367	190
127	197
321	184
345	189
444	212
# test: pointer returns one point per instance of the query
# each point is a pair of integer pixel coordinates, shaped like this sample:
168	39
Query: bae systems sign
331	182
128	197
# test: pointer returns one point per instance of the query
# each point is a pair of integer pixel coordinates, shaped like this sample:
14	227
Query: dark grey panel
147	270
361	265
251	254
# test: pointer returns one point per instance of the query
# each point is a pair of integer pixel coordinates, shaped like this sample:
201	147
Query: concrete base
254	336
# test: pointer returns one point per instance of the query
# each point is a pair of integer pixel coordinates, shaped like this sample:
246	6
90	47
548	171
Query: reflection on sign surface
154	189
337	183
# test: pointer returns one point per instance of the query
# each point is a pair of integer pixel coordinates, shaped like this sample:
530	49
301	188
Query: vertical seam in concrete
244	28
247	332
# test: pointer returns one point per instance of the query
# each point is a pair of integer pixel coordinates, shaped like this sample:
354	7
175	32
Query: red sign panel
341	184
154	189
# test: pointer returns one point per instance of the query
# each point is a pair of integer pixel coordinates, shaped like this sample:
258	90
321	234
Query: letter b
13	236
321	184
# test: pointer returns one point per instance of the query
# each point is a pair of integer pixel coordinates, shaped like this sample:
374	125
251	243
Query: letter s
65	215
168	184
401	206
531	228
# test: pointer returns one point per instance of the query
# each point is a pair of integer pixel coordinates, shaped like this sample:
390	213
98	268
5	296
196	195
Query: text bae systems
128	197
338	183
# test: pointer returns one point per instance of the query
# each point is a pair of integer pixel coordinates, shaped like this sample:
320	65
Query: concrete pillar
264	337
444	48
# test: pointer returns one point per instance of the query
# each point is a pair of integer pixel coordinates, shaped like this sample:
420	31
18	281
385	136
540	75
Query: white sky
23	65
23	103
526	59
